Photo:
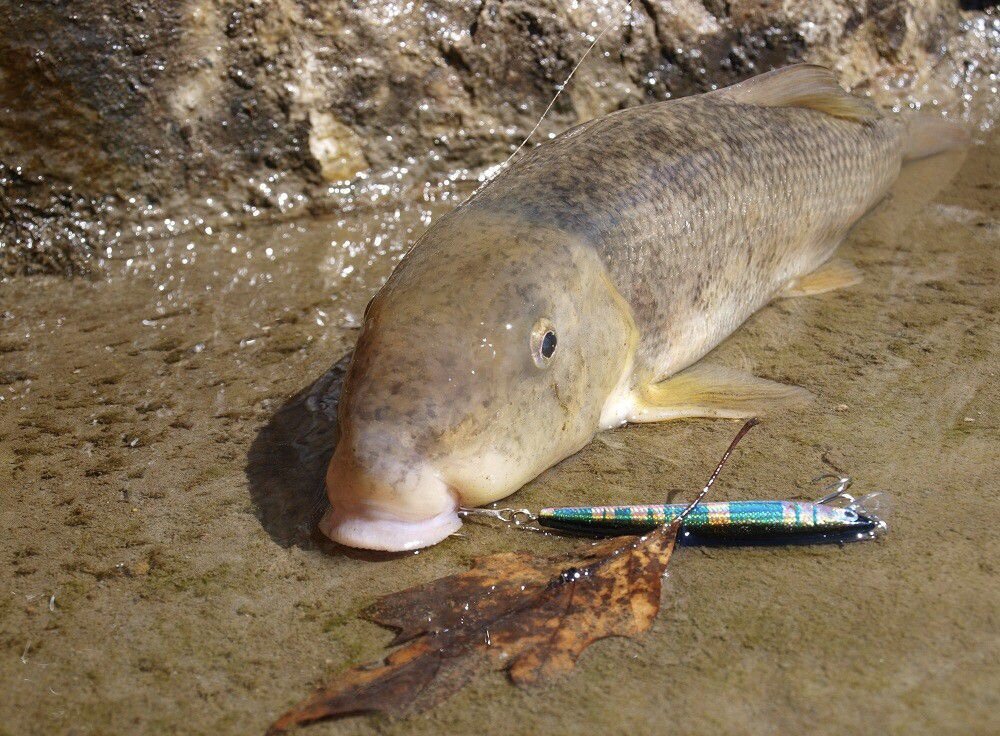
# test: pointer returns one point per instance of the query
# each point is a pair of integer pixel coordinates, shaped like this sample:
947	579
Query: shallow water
163	433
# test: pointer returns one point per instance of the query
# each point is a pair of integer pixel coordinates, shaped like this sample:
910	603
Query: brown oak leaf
531	616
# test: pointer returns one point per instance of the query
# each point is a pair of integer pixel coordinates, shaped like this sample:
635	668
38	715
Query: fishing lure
837	517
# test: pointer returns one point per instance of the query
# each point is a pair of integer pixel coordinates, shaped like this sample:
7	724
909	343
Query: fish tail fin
802	85
927	134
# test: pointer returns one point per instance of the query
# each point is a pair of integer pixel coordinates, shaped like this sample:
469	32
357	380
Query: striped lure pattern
736	521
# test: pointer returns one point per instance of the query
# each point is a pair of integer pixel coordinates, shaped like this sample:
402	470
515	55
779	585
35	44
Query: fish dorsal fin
802	85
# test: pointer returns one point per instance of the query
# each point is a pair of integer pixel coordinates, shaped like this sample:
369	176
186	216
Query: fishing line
718	468
559	90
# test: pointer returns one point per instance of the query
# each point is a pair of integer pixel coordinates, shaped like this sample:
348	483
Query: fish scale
702	209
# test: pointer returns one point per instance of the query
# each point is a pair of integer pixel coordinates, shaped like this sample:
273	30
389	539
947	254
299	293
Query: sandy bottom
163	433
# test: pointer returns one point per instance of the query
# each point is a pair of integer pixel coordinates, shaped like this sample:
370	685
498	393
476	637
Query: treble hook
840	486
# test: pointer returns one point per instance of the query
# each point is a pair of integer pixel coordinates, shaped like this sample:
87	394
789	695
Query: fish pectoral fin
832	275
713	391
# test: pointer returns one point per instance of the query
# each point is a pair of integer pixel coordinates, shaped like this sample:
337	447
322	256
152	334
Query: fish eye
543	342
548	344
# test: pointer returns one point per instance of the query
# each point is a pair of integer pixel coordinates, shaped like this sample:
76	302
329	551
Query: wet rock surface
125	121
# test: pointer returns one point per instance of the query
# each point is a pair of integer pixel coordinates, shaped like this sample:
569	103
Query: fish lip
367	529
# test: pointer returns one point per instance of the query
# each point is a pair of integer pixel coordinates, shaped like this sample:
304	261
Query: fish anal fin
832	275
713	391
801	85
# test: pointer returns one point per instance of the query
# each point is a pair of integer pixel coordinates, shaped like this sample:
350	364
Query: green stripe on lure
732	522
723	521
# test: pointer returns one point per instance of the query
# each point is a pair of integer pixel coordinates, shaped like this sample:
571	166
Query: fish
578	289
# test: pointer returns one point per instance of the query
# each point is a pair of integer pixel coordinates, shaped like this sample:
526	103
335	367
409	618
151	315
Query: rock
116	114
336	148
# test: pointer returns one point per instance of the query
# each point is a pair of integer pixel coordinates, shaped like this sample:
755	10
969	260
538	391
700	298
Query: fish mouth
369	529
388	502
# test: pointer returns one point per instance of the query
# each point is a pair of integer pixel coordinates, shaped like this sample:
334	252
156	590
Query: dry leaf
530	616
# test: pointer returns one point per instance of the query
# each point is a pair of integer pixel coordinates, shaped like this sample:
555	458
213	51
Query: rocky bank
139	119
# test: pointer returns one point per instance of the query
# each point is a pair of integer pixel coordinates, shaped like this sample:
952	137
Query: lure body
724	521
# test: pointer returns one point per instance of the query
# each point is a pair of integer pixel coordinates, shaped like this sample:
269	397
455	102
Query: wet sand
163	433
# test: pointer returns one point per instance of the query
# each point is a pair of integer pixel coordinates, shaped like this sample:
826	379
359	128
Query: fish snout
387	506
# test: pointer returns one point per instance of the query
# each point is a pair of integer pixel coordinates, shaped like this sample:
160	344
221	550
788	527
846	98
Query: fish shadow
287	461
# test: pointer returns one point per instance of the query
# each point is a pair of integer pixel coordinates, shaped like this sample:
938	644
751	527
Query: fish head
485	359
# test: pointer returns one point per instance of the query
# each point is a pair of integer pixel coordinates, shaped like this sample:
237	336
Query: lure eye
543	342
851	514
